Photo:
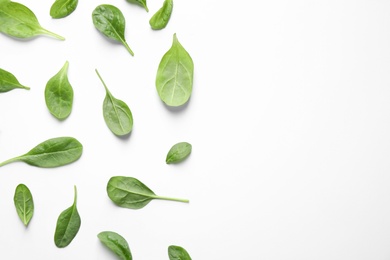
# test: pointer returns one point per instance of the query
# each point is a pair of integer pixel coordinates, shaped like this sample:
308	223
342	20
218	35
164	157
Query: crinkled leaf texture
62	8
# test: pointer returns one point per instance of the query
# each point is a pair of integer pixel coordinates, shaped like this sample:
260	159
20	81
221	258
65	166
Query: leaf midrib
21	21
41	154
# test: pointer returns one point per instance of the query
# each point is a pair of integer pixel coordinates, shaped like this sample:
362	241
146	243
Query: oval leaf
174	75
117	114
19	21
24	203
128	192
68	224
160	19
116	243
9	82
63	8
139	2
178	152
110	21
51	153
178	253
59	94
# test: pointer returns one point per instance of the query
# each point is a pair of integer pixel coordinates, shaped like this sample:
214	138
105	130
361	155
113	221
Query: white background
289	121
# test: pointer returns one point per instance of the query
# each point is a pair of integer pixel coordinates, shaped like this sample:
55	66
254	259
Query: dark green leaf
160	19
63	8
59	94
128	192
110	21
178	253
116	243
174	75
139	2
178	152
24	203
116	113
51	153
68	224
19	21
9	82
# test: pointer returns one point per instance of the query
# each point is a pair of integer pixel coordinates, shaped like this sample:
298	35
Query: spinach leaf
110	21
24	203
178	152
9	82
128	192
139	2
174	75
68	224
59	94
19	21
116	113
160	19
178	253
63	8
116	243
51	153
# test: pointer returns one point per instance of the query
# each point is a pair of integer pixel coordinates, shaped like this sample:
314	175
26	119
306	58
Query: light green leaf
178	152
24	203
160	19
9	82
63	8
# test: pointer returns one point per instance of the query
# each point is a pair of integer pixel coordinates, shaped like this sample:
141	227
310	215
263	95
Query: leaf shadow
178	109
124	137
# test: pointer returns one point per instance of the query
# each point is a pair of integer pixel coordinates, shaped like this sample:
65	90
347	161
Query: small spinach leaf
24	203
9	82
178	152
117	114
51	153
116	243
68	224
110	21
139	2
63	8
128	192
19	21
174	75
59	94
160	19
178	253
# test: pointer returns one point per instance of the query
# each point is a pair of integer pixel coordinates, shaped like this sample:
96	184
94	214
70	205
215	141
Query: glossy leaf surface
68	224
51	153
175	75
178	152
24	203
110	21
178	253
9	82
117	114
116	243
19	21
160	19
59	94
62	8
128	192
140	2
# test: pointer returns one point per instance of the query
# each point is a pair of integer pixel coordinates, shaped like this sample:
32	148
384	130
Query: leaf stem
75	196
172	199
10	161
104	84
24	87
53	34
128	47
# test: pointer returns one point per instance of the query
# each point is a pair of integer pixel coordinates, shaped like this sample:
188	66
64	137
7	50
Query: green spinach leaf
68	224
24	203
139	2
9	82
178	152
19	21
117	114
178	253
175	75
59	94
51	153
160	19
110	21
128	192
116	243
63	8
